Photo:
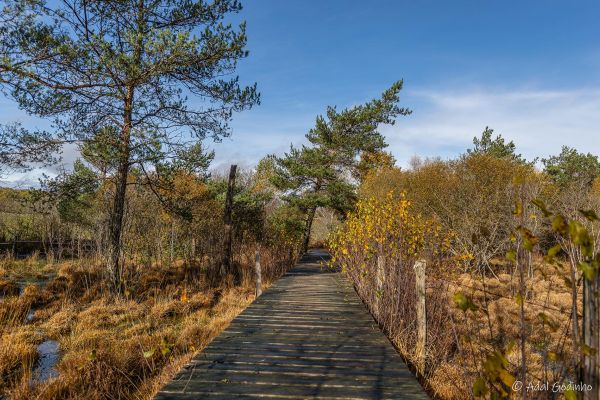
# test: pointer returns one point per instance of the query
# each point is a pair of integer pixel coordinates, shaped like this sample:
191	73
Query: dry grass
30	268
110	348
13	310
495	326
17	355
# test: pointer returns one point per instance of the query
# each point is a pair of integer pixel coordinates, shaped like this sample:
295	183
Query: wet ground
45	368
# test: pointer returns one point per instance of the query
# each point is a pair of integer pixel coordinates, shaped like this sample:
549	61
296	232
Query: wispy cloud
538	121
23	180
443	123
255	137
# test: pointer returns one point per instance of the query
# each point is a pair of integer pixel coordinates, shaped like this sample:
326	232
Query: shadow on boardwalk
308	336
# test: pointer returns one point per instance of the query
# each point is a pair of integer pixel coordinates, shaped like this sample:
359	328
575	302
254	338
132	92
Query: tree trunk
591	337
575	335
118	211
521	256
226	265
307	231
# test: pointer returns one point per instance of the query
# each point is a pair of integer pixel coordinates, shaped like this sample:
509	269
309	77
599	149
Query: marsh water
48	351
45	368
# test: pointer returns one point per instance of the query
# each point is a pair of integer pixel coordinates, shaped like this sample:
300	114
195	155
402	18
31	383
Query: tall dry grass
116	347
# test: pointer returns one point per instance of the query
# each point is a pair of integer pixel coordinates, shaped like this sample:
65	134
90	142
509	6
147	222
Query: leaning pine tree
344	146
128	67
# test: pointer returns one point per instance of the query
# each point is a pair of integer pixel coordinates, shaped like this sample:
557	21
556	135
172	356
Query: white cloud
443	123
538	121
253	139
22	180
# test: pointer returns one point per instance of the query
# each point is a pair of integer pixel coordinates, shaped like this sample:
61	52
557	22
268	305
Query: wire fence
26	248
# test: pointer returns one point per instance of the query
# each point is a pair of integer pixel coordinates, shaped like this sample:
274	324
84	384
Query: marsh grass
111	347
547	313
31	268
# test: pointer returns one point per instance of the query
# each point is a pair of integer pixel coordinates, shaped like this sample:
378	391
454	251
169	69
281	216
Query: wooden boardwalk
307	337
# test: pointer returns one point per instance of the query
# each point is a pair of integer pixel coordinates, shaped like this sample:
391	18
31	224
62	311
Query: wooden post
258	274
379	281
591	337
421	348
172	243
227	240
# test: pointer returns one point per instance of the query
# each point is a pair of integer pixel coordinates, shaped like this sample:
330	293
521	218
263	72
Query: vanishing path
308	336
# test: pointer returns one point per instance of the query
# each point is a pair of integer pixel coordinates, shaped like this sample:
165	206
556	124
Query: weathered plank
308	336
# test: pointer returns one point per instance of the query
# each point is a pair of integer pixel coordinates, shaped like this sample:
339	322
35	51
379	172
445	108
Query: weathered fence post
591	337
379	281
421	348
258	275
227	240
172	243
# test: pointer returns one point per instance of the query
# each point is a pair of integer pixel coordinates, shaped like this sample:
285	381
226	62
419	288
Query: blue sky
528	69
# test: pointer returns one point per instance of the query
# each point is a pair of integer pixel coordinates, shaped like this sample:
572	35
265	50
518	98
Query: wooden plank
308	336
204	388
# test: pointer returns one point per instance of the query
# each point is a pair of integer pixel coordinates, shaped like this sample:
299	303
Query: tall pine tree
324	173
125	68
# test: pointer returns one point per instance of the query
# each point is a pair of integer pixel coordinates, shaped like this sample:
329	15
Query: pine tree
496	147
572	167
125	68
19	148
324	173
